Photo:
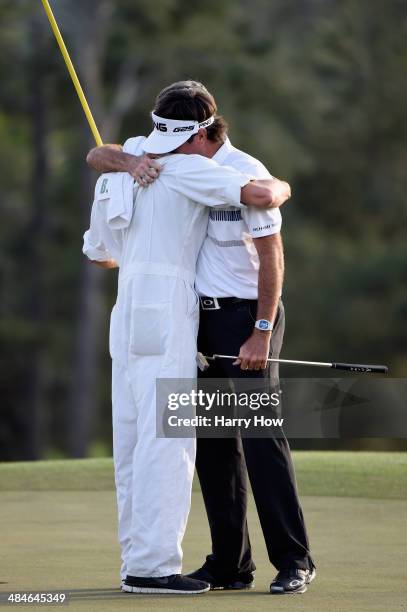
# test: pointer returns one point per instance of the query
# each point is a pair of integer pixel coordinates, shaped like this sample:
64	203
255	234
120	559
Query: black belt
210	303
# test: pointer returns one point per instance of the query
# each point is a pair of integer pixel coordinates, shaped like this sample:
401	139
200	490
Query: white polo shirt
228	263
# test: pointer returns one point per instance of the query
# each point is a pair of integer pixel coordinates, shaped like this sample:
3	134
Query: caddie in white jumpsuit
153	333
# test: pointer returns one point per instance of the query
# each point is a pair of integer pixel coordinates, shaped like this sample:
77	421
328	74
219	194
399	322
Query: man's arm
268	193
111	158
110	264
255	351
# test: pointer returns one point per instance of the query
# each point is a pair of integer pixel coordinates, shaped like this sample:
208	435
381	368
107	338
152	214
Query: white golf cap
169	134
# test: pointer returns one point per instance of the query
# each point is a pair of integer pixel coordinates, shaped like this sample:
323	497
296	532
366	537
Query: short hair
185	100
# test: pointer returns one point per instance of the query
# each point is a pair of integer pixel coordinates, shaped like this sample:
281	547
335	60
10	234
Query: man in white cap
239	279
154	325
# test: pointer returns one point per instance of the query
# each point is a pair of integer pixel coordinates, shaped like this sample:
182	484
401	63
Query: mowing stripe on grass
374	475
377	475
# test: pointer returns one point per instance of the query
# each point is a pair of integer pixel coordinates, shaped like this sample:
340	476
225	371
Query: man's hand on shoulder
112	158
143	169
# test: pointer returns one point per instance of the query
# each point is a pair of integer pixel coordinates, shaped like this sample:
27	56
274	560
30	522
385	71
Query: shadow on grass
114	593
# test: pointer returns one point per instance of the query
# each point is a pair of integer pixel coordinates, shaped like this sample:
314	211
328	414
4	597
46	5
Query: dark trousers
223	463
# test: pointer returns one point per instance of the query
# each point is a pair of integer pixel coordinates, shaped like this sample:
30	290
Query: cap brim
158	143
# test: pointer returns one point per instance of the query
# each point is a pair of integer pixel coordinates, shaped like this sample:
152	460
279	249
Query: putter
203	364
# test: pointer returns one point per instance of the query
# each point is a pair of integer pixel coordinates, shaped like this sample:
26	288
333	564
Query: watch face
263	324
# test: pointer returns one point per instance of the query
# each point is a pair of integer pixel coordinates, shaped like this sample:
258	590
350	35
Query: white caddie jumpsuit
153	333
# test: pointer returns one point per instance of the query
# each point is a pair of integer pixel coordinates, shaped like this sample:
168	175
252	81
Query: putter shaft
350	367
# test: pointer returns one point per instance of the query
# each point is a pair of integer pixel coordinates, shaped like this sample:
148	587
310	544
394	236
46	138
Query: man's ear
201	135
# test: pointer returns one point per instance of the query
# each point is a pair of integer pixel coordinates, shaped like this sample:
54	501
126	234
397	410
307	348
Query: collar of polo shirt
169	134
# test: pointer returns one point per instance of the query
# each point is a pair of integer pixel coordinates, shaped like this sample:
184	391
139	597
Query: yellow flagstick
72	72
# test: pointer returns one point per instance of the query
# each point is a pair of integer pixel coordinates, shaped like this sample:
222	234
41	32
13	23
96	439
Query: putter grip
356	367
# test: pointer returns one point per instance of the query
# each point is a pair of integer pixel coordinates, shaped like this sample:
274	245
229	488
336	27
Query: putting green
66	541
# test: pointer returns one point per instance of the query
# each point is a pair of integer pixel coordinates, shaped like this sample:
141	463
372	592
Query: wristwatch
264	325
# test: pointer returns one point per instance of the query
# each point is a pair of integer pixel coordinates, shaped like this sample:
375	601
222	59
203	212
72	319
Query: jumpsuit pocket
149	329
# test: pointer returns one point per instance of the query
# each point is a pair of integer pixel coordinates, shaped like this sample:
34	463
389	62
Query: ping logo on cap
207	122
161	127
176	127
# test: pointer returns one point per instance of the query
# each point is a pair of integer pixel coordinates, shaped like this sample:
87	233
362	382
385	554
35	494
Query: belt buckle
208	303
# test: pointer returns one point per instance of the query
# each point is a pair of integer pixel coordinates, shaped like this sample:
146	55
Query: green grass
58	475
58	532
344	474
66	541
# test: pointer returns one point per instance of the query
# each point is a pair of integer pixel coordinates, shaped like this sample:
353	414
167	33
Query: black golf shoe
177	583
292	581
239	583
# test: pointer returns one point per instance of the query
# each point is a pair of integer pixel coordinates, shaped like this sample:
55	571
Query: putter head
202	361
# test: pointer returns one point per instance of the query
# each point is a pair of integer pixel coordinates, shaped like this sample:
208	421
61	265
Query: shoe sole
246	587
151	590
282	592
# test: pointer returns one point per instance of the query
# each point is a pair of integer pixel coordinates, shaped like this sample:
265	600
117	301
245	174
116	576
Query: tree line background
316	89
